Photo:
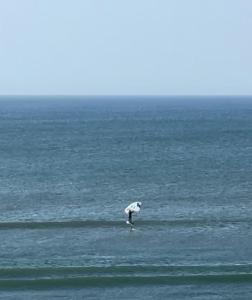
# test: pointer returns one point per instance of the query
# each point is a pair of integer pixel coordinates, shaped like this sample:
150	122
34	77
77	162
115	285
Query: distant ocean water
70	165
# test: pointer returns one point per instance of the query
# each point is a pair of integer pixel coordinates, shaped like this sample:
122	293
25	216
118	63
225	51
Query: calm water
69	167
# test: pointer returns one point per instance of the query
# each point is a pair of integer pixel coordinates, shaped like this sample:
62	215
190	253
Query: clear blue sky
148	47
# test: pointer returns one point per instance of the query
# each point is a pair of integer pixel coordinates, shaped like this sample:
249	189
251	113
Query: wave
48	277
26	271
104	281
121	223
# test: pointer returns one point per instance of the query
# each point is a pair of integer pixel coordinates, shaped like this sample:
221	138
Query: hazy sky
126	47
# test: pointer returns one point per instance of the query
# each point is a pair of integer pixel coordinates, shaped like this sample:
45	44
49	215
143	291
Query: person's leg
130	217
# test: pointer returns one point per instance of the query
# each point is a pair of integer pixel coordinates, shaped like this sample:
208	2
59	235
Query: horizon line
125	95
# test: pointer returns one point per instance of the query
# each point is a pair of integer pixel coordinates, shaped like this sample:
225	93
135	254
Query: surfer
129	210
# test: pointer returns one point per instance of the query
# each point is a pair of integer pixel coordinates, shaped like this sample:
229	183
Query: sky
126	47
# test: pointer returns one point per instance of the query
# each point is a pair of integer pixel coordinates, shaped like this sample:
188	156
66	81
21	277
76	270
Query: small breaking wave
67	277
120	223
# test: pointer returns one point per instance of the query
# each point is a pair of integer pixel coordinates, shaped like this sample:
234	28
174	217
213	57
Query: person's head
139	204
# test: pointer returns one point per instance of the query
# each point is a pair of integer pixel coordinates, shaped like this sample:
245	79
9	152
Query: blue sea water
70	165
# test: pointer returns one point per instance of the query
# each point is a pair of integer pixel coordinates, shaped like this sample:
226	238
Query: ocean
70	165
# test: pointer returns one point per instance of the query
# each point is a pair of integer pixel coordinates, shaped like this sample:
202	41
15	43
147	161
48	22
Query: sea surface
70	165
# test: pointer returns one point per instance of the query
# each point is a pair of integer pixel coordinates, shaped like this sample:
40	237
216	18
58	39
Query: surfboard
134	207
